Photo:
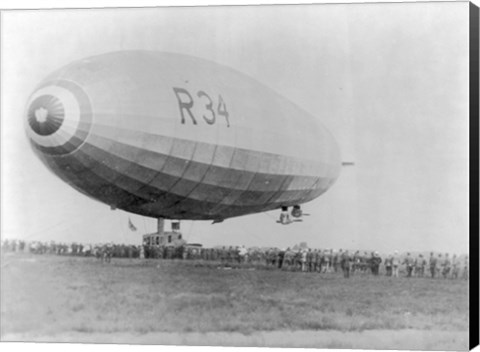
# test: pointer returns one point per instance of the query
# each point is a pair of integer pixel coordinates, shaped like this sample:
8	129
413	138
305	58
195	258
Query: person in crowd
280	256
408	262
336	261
346	263
242	254
288	259
310	260
432	263
388	265
375	262
366	262
304	260
446	266
356	262
395	264
298	260
455	267
328	260
420	264
318	257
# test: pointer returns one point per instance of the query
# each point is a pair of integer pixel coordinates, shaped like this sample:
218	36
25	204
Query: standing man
388	265
346	264
323	260
223	255
408	261
273	256
433	265
298	260
310	260
366	262
446	266
329	260
455	267
421	262
242	252
376	261
304	260
335	261
395	263
280	256
318	260
287	259
356	262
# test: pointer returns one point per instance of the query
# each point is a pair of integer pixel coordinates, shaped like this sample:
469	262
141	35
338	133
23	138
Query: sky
390	81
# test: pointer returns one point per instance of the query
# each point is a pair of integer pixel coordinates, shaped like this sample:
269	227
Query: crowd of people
99	250
291	259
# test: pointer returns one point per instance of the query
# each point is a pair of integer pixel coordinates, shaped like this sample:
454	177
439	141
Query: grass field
52	298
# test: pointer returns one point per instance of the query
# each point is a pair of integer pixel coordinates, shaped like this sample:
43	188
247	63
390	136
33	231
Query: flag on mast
131	226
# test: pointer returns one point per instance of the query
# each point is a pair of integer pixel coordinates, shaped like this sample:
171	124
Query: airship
172	136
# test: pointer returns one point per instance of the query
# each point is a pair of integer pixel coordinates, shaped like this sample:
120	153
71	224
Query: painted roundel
45	115
59	117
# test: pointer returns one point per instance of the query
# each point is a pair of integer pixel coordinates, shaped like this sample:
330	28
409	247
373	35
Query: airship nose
58	117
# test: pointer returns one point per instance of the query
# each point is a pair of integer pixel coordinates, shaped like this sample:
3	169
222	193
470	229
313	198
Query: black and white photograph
291	175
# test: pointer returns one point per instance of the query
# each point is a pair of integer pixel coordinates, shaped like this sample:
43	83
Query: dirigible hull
173	136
